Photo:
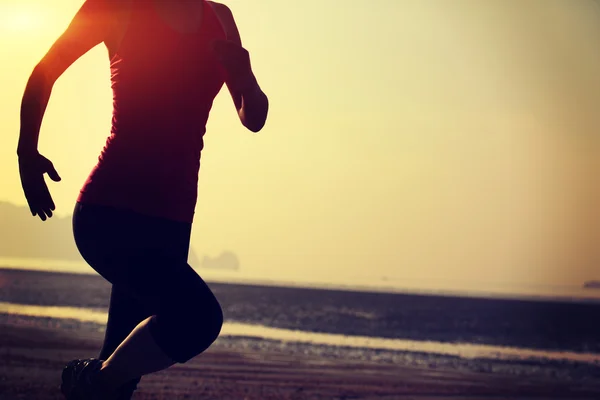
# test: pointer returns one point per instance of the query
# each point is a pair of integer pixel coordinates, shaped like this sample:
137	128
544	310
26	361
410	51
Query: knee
188	324
199	329
209	321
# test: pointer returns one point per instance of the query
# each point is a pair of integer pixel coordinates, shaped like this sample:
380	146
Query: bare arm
250	101
88	28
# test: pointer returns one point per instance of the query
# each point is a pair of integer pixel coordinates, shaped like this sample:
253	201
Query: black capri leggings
145	259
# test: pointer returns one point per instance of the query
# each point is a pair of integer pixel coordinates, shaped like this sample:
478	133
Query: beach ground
31	359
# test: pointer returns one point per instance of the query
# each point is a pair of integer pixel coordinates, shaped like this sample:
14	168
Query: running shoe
77	381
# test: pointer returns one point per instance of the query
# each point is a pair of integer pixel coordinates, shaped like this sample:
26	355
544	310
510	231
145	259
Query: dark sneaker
77	381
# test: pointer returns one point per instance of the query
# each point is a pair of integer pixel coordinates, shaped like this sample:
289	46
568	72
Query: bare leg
138	355
124	314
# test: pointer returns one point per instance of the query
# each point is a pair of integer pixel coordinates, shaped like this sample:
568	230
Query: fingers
51	171
47	203
43	212
42	216
39	199
35	188
53	174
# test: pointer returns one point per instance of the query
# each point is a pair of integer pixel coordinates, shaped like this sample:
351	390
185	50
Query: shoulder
102	8
109	8
227	21
221	9
103	13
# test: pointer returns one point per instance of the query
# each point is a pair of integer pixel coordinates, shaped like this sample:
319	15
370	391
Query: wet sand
31	358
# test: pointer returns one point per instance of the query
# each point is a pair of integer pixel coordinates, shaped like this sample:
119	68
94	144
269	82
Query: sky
413	144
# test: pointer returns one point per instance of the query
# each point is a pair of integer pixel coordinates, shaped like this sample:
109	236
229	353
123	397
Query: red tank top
164	83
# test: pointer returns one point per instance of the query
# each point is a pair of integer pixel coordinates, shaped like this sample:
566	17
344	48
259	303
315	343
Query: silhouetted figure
133	217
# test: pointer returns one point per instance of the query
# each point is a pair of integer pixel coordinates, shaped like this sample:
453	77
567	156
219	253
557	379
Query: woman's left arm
250	101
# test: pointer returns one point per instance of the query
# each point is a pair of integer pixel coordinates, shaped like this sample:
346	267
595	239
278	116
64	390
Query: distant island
227	260
591	285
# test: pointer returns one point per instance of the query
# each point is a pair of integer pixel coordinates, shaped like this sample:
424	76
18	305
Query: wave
242	330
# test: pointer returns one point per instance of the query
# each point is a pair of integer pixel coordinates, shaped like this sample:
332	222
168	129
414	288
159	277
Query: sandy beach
31	359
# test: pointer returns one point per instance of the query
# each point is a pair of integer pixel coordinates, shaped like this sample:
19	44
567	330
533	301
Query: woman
133	217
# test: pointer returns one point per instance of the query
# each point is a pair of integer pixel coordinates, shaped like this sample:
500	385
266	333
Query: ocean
510	334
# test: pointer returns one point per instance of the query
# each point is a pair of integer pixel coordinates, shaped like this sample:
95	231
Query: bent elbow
255	121
253	111
255	127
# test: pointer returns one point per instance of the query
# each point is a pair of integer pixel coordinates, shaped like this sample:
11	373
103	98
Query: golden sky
411	143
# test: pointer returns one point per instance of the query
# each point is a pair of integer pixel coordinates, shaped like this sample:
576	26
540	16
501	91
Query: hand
236	63
32	169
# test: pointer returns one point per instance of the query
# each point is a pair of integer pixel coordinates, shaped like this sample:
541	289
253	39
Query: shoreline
482	353
32	356
80	268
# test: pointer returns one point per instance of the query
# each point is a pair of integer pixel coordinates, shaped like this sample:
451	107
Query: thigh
114	240
162	283
145	257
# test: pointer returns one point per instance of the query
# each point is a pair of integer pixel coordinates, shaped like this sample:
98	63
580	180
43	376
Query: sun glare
19	19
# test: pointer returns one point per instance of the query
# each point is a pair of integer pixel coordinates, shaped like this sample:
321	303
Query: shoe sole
68	374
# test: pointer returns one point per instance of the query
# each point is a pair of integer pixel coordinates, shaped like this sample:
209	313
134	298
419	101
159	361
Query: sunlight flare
20	18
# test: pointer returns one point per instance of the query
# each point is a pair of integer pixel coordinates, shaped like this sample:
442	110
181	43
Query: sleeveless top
164	83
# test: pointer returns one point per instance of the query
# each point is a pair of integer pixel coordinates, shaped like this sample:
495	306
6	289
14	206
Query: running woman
133	217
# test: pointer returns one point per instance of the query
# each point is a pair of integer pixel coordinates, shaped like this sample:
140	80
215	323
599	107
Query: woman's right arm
88	28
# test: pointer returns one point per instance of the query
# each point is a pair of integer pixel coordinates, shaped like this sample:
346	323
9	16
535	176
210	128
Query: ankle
108	377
